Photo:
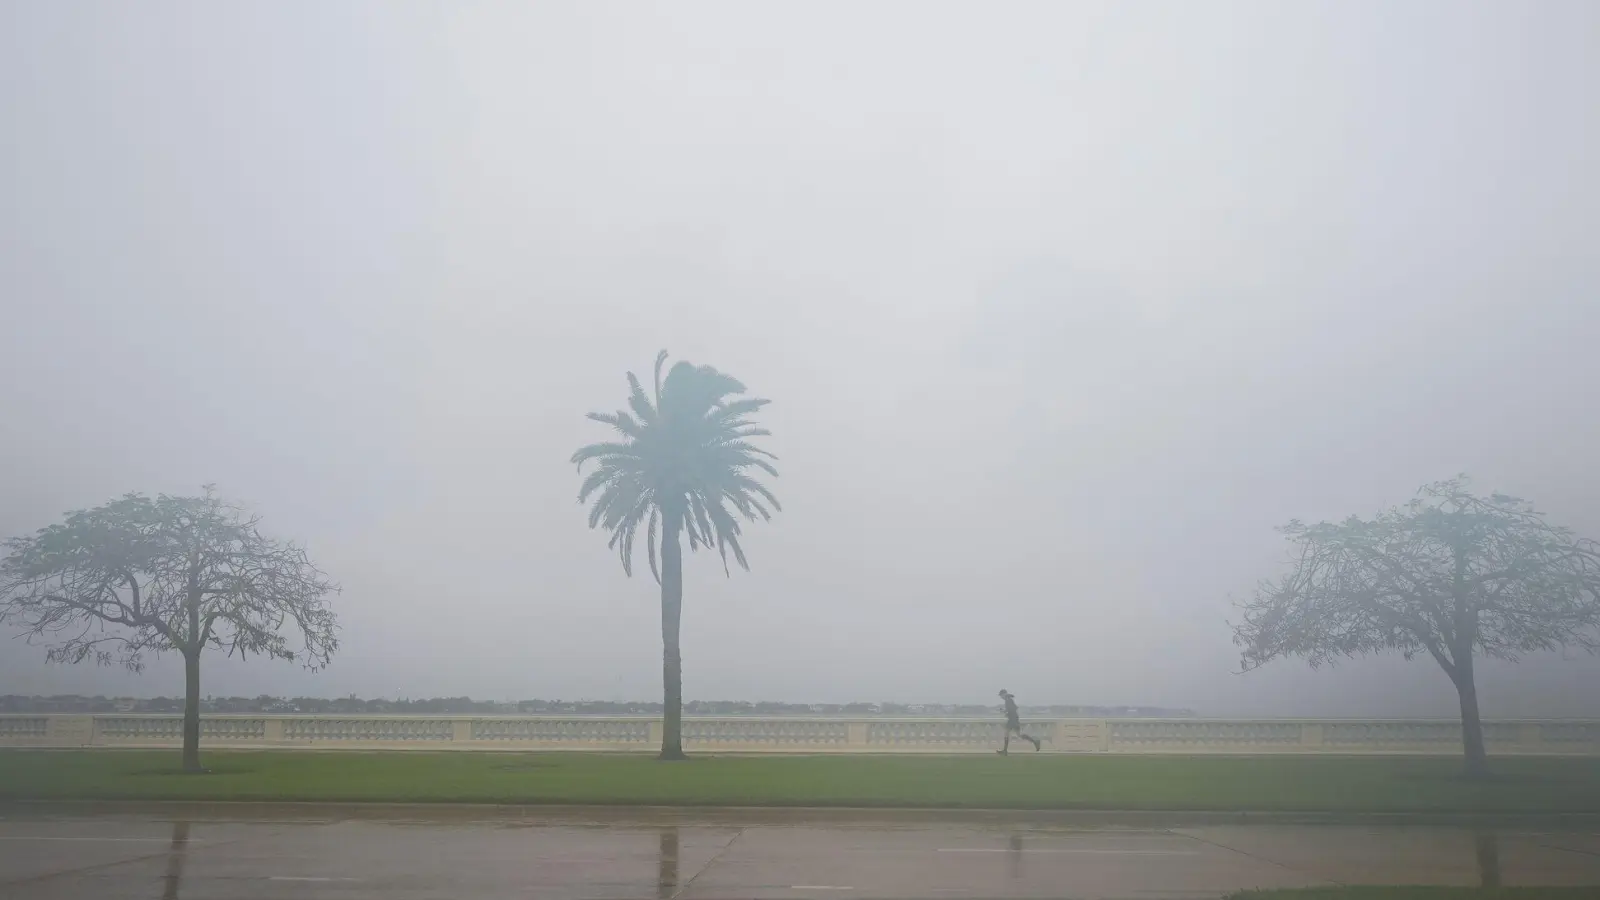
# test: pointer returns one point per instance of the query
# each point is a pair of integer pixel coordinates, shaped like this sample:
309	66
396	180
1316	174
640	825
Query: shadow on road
176	853
1487	848
667	866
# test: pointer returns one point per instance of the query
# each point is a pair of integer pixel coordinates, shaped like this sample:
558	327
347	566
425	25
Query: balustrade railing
751	734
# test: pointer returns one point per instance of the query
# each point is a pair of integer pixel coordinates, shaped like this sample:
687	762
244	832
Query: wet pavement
403	856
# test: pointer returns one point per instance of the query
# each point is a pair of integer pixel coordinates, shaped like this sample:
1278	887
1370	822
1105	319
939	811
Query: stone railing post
1311	736
70	731
461	731
273	733
1079	736
1530	738
857	736
658	732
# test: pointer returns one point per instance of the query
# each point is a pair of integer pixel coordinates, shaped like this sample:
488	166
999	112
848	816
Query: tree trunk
1477	759
671	660
191	711
1487	848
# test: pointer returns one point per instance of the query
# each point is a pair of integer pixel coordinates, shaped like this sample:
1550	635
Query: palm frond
619	420
727	536
650	543
745	461
686	466
623	496
748	506
594	480
734	410
692	526
603	449
739	434
629	525
615	498
702	522
661	360
750	485
639	403
691	390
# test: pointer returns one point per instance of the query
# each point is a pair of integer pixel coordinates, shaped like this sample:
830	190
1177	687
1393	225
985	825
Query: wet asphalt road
307	855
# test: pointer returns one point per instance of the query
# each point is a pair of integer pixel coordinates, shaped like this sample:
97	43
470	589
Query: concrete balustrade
750	734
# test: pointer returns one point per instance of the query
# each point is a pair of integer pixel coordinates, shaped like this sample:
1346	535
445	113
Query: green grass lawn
1384	892
1351	784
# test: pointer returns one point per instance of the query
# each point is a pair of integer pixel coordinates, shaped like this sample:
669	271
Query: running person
1013	725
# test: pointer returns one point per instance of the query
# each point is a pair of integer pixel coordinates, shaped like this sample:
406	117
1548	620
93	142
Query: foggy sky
1062	307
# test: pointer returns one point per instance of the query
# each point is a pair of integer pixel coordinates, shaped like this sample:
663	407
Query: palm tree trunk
671	659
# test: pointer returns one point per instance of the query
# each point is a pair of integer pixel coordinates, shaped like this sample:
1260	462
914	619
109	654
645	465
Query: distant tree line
352	705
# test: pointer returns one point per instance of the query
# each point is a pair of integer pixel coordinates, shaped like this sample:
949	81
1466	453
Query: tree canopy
686	462
141	575
1447	573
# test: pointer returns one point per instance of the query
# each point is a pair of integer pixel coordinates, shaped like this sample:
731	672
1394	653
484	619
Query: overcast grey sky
1062	308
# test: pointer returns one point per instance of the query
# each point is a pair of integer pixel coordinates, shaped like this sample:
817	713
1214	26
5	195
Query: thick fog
1062	308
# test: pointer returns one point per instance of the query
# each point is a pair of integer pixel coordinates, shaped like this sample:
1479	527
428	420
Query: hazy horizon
1062	309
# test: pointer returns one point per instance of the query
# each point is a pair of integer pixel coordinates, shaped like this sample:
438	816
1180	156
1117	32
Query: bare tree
1450	574
138	576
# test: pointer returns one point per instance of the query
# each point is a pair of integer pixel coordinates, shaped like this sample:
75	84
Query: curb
225	810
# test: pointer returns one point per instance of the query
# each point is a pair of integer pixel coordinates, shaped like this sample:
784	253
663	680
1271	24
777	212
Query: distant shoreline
75	703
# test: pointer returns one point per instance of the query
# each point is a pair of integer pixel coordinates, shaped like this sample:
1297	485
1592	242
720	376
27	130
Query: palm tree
686	464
